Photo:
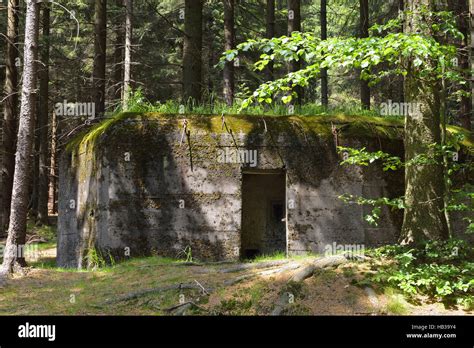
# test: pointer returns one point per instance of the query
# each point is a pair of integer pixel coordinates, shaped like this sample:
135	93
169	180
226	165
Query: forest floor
151	286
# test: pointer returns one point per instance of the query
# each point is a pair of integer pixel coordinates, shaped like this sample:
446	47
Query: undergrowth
441	270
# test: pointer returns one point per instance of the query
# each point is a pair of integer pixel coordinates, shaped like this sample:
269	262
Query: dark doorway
263	212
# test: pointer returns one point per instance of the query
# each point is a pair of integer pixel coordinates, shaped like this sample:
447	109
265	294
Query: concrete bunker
139	188
263	212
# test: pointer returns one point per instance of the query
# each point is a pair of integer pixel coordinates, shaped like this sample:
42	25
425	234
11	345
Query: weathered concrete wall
146	188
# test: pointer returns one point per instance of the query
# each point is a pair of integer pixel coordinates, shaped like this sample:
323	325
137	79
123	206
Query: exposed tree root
137	294
308	271
181	308
250	266
249	276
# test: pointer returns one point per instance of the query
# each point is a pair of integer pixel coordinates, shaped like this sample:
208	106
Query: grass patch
396	303
280	255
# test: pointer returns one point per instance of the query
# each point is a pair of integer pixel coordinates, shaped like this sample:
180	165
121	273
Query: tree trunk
100	42
423	218
11	112
294	24
364	32
192	51
270	33
53	208
42	127
19	205
462	14
471	50
229	43
128	53
401	79
324	71
461	10
118	55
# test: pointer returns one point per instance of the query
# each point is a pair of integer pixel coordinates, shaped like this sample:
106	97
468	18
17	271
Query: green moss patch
351	126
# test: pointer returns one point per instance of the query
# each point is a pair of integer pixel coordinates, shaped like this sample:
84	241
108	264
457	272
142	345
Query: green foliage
139	103
382	54
97	259
376	204
459	199
442	270
362	157
186	254
47	232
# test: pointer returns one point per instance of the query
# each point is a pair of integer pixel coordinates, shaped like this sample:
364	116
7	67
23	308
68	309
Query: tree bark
118	54
294	24
192	52
324	71
229	43
100	42
364	32
423	218
19	205
462	14
53	208
42	127
128	53
471	50
461	10
270	33
11	111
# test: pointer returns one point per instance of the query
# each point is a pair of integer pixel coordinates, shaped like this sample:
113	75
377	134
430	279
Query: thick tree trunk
11	112
324	71
270	33
294	24
42	127
128	53
364	32
229	43
423	218
192	52
100	42
19	205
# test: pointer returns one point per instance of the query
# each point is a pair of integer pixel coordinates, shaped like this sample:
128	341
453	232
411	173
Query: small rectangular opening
263	213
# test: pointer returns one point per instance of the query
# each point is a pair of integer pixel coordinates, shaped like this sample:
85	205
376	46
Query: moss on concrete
353	126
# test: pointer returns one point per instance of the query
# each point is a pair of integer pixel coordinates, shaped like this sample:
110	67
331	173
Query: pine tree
10	119
19	205
100	45
192	51
229	43
364	32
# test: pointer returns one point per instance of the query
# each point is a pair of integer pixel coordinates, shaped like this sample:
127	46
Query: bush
442	270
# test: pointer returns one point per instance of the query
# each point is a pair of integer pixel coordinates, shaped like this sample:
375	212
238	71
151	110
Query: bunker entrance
263	212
